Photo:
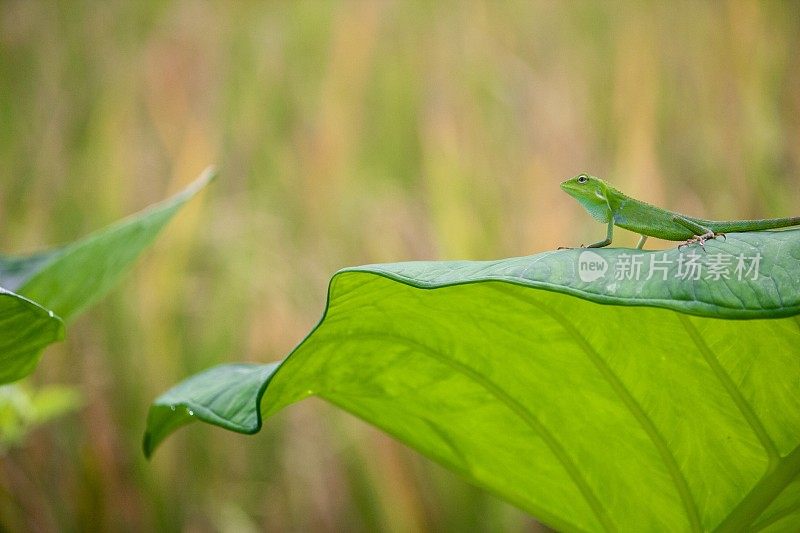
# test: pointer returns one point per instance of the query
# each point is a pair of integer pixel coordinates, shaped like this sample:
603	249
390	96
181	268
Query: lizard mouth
568	186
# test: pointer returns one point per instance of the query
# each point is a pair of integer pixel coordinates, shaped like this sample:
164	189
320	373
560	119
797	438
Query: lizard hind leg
699	239
702	239
701	233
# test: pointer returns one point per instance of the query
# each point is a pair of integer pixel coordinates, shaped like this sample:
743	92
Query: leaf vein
517	408
638	412
733	391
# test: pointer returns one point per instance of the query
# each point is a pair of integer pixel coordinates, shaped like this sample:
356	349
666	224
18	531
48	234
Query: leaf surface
595	404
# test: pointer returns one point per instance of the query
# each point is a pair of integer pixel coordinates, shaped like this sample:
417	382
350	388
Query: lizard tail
732	226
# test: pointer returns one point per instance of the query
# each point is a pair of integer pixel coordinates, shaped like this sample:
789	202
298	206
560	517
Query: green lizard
608	205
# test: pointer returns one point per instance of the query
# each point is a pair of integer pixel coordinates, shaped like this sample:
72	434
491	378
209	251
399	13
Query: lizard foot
701	239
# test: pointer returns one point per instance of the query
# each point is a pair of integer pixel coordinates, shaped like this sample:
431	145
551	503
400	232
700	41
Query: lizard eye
582	179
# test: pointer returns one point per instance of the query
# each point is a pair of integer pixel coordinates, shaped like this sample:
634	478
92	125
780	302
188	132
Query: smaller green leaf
223	395
25	329
22	409
54	401
68	279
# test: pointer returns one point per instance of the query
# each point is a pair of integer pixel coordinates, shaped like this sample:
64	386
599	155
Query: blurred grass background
346	133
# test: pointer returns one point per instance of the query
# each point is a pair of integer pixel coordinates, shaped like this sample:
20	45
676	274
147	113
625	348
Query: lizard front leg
609	234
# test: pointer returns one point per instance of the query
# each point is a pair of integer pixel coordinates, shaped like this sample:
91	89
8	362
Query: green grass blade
651	414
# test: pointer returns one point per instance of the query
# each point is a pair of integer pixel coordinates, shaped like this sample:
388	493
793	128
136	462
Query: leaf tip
148	446
208	175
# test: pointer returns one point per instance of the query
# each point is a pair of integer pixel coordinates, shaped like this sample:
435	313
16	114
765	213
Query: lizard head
591	192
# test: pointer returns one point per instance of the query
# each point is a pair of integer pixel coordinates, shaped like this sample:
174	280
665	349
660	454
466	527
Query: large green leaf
650	414
69	278
60	282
